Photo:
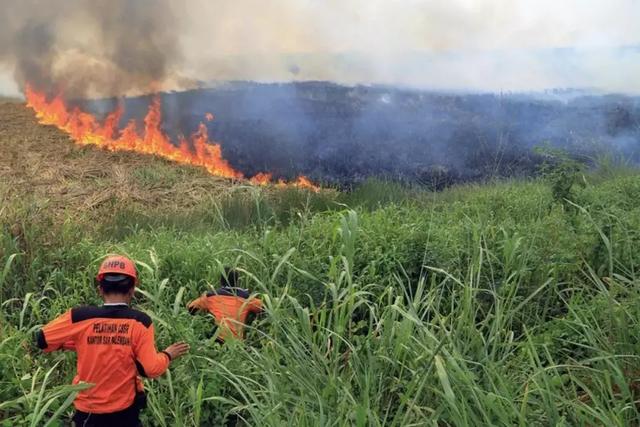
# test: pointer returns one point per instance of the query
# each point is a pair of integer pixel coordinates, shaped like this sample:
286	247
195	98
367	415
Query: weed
474	306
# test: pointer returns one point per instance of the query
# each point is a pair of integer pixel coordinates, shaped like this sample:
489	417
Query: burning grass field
42	162
495	304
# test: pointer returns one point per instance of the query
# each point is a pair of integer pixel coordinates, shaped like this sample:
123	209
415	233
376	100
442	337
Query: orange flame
304	182
198	150
261	179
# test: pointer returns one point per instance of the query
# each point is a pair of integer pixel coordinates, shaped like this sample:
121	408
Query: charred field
511	301
342	135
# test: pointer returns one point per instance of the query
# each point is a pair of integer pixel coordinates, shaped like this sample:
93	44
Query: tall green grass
481	305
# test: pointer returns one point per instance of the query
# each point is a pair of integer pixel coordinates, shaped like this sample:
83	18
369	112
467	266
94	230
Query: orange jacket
114	344
230	308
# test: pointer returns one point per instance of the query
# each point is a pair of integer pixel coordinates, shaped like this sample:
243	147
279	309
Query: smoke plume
116	47
89	47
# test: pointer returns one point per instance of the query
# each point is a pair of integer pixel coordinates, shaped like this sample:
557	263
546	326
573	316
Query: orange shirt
114	344
229	307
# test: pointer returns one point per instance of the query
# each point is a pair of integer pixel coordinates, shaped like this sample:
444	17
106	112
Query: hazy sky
445	44
303	26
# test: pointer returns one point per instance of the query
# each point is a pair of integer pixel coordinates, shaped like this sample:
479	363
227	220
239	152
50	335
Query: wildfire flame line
197	150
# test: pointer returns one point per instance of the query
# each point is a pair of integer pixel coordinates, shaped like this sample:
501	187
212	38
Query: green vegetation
498	304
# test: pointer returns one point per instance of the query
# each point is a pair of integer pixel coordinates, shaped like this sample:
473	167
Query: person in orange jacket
230	306
115	344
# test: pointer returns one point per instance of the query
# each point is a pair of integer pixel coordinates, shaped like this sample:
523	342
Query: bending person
230	306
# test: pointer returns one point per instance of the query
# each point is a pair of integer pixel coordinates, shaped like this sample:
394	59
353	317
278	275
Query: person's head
229	278
117	279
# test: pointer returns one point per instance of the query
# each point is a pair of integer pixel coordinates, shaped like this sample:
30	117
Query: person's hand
193	307
177	349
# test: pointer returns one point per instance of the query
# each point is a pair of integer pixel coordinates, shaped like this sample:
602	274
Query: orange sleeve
255	305
57	334
198	304
69	346
150	363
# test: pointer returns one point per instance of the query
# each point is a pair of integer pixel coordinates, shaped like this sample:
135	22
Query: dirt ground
42	163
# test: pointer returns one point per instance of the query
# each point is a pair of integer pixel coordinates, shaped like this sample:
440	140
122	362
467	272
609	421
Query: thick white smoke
127	45
447	44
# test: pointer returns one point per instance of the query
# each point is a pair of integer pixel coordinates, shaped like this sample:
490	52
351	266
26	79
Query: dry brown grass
41	163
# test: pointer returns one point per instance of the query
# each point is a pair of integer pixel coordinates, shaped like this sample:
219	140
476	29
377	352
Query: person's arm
57	334
198	304
69	346
255	306
149	361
